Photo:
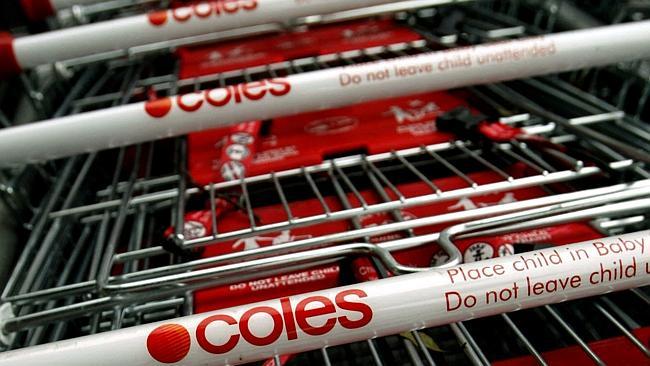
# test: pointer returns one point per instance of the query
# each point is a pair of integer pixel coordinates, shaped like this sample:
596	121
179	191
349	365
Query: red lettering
220	97
217	7
600	247
182	14
213	348
303	314
363	309
244	326
202	10
252	90
230	6
158	108
287	313
281	87
190	107
157	18
452	272
250	5
215	101
449	300
236	91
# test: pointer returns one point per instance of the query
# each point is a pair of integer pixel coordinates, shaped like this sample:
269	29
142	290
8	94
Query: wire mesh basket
119	238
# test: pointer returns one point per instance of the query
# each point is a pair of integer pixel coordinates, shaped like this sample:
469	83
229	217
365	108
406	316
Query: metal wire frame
626	207
98	96
169	84
118	185
518	15
543	217
591	112
89	76
153	310
613	314
122	286
147	185
560	320
166	47
88	92
355	234
621	11
334	169
632	89
497	29
626	87
164	84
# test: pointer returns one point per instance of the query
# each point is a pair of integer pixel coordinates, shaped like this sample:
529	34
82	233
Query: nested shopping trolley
485	217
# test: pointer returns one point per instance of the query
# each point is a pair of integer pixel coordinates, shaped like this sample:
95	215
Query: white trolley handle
158	26
362	311
329	88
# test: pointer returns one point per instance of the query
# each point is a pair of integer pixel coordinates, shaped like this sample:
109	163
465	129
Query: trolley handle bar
366	310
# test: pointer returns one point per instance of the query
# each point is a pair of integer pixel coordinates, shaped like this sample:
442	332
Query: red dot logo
158	108
158	18
169	343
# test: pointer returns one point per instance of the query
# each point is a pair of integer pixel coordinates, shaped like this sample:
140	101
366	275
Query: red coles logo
233	94
201	10
170	343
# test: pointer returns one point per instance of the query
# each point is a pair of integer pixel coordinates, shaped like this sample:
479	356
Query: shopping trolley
109	250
